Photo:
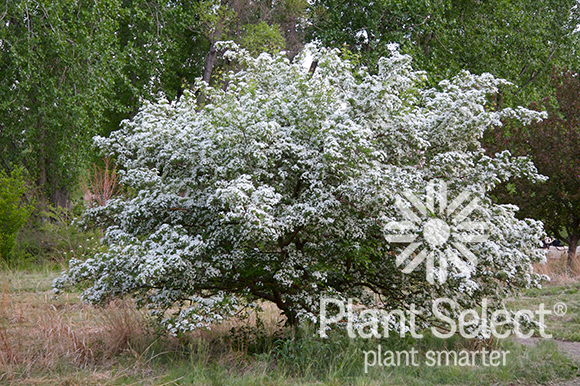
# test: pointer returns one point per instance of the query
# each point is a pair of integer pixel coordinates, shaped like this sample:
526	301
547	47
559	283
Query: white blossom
278	188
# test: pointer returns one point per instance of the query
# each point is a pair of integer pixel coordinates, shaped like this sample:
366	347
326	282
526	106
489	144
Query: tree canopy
75	69
282	185
515	40
57	66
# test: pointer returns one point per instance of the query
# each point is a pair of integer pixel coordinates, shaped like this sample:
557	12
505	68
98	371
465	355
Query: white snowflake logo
439	236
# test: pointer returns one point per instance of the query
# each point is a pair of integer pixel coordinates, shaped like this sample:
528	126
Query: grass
40	334
564	288
48	341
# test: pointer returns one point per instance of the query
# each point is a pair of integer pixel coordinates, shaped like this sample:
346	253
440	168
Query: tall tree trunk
59	197
212	54
572	245
42	172
209	63
46	182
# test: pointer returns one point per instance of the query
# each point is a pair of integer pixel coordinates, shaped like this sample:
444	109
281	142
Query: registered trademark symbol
560	309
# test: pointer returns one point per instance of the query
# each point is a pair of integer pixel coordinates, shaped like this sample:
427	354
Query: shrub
13	211
101	185
50	238
284	185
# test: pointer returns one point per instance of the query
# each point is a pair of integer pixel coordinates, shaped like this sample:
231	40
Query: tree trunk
209	63
42	172
212	54
291	317
572	245
56	196
59	197
287	308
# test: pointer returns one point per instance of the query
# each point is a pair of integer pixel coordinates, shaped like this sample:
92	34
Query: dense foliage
13	211
516	40
281	186
57	65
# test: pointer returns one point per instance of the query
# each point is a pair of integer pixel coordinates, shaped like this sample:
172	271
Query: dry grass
42	335
39	334
558	271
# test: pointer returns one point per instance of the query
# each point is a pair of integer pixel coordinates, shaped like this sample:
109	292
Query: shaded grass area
48	341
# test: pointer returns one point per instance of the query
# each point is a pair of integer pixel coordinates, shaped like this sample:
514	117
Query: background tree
515	40
553	145
258	26
161	50
57	64
74	69
281	187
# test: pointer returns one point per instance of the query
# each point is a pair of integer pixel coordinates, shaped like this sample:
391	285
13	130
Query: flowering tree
284	185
